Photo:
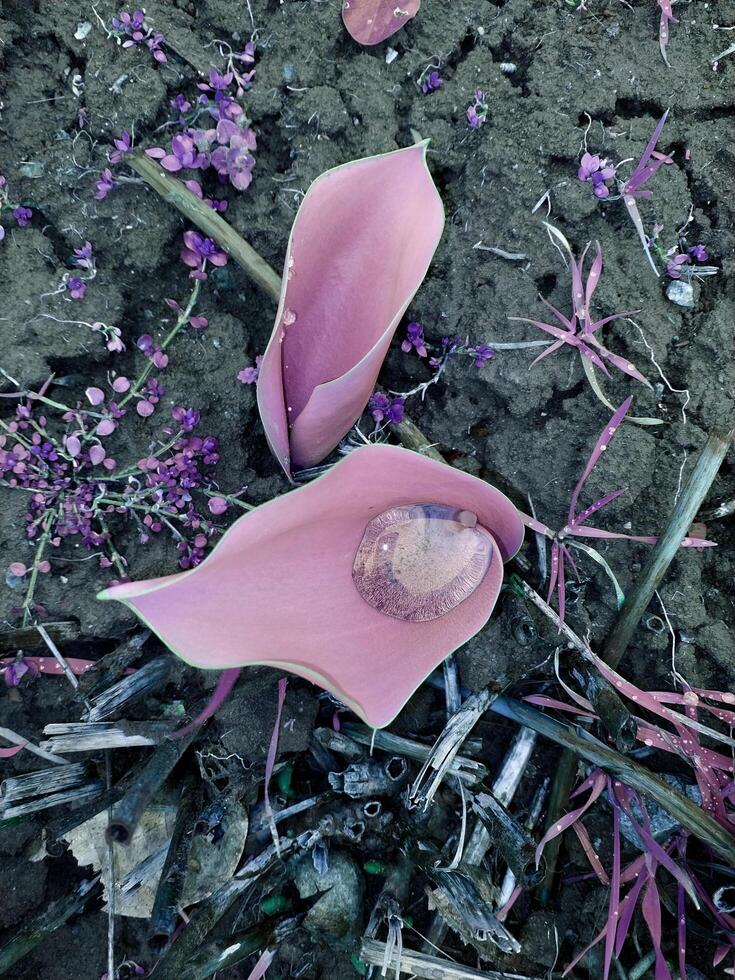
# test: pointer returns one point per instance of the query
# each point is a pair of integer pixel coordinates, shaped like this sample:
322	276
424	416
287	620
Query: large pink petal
278	588
359	249
372	21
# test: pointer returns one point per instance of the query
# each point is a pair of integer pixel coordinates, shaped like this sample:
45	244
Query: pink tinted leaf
641	172
261	967
599	324
598	505
225	683
546	702
592	280
359	248
570	325
596	785
627	908
600	446
271	760
372	21
561	592
551	349
584	839
635	216
613	908
300	548
651	908
624	365
9	753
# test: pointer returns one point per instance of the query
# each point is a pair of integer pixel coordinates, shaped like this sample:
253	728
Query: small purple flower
431	83
123	144
199	250
698	253
22	215
414	339
2	233
481	354
597	171
105	184
18	669
384	408
145	344
77	287
674	265
84	256
477	112
180	104
188	418
127	23
249	375
154	43
219	82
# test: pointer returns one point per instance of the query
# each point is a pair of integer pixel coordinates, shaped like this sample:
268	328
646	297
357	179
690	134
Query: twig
27	638
174	192
414	964
10	736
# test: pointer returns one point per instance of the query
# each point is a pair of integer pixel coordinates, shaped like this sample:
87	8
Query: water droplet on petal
289	318
417	562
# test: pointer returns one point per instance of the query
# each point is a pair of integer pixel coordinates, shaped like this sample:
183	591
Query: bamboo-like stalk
165	913
76	736
15	739
661	555
27	638
373	952
209	221
75	795
629	771
36	931
110	668
470	771
157	769
42	781
149	678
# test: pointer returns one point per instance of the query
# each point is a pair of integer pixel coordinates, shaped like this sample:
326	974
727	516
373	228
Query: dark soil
319	100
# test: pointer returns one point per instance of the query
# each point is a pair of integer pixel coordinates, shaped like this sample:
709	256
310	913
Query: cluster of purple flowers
197	251
22	215
133	28
249	375
226	147
477	111
71	481
383	408
431	83
598	172
83	259
677	262
450	346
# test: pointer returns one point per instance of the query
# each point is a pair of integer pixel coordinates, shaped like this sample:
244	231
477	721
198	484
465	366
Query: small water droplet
289	318
418	561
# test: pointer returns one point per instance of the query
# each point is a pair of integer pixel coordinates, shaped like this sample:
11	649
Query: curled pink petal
359	249
372	21
95	396
278	589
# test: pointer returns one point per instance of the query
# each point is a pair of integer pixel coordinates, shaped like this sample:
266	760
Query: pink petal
73	446
95	396
96	454
372	21
278	589
359	249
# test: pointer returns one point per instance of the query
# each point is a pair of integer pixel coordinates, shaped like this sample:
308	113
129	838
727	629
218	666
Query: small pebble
681	293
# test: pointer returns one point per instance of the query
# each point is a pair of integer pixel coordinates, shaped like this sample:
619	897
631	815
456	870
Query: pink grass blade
596	784
596	532
599	324
601	445
592	282
261	967
225	683
635	216
593	508
584	839
651	908
571	325
681	916
637	178
551	349
667	17
561	591
10	752
624	365
627	908
567	555
567	338
554	573
546	702
536	525
372	21
271	761
613	908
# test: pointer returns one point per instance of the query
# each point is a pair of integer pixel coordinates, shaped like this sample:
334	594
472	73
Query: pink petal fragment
278	590
9	753
372	21
226	682
95	396
359	248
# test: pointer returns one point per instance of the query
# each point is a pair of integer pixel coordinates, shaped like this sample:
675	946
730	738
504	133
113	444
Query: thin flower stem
181	321
41	547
